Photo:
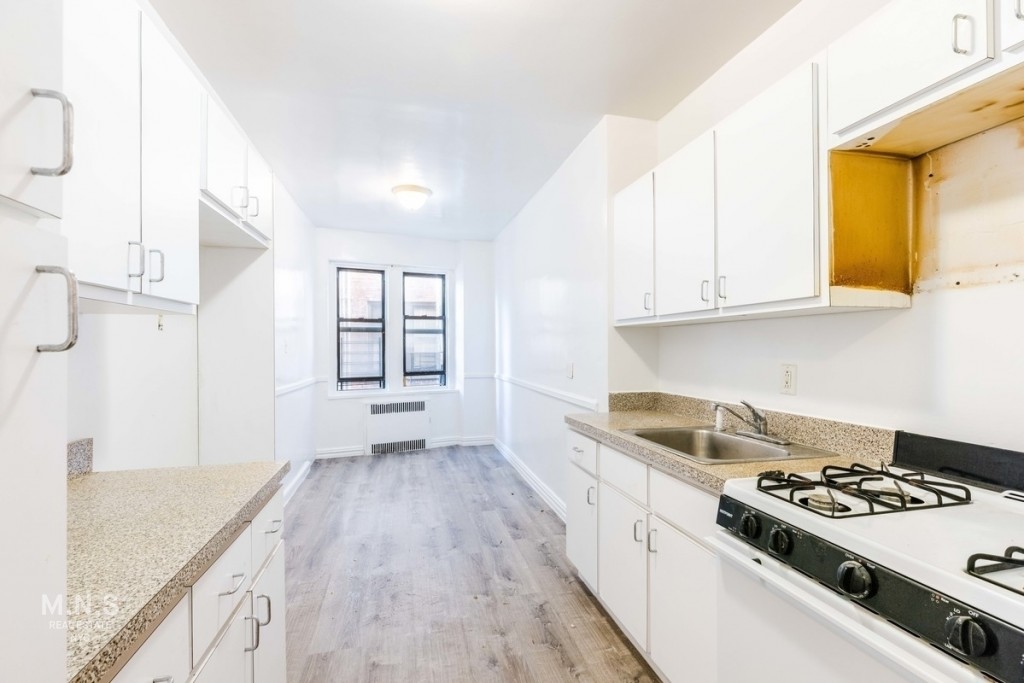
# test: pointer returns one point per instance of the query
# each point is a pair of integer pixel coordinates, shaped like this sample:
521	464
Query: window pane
360	294
361	354
424	352
424	295
424	381
424	325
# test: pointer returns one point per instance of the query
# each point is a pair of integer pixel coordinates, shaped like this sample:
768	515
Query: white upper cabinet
1012	23
633	245
905	48
767	195
259	211
224	160
32	129
684	229
171	133
101	197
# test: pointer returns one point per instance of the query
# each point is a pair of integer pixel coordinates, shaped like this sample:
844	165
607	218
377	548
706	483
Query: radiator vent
399	407
1014	496
398	446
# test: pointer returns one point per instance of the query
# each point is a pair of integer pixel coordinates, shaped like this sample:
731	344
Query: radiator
396	426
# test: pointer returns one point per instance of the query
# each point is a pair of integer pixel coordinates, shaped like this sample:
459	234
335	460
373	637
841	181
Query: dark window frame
353	327
443	318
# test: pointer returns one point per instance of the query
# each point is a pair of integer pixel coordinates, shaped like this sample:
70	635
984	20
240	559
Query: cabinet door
622	561
259	212
30	127
1012	23
633	243
903	49
767	190
269	663
683	640
223	168
228	660
101	196
171	135
166	655
581	525
684	228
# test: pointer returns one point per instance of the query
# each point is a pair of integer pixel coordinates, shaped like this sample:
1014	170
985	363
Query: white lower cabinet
219	591
166	655
228	662
683	641
622	561
581	524
269	663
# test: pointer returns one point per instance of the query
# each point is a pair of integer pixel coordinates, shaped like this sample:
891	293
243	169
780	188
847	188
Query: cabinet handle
164	679
589	491
1018	10
72	283
652	536
142	258
957	18
721	287
163	266
241	580
638	531
242	192
67	146
577	449
647	301
254	198
278	523
255	636
270	613
704	286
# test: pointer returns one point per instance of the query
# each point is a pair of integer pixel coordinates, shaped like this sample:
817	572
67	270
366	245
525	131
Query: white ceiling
480	100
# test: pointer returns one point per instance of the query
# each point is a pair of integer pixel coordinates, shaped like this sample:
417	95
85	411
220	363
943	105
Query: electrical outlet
570	369
788	380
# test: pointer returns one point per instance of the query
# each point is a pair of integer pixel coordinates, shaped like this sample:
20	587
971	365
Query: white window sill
385	394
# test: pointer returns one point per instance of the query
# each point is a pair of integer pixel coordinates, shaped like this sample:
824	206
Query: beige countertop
608	429
137	540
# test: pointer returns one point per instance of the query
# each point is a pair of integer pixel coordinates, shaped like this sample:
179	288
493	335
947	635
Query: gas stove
942	559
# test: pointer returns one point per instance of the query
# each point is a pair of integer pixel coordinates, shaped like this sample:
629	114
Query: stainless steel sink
705	445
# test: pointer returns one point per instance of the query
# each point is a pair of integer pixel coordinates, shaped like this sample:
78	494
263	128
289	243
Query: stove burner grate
999	563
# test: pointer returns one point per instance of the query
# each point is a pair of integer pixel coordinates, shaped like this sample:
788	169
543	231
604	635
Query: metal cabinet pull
704	286
589	491
67	147
652	536
241	580
164	679
163	266
721	287
577	449
957	18
254	198
256	635
638	531
647	301
278	523
72	283
142	258
270	613
1018	10
242	192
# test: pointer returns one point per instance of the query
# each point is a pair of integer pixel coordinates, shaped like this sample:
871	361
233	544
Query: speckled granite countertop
137	540
607	428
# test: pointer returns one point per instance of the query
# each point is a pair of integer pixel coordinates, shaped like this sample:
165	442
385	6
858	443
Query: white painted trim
285	389
486	440
556	504
343	452
572	399
293	483
478	375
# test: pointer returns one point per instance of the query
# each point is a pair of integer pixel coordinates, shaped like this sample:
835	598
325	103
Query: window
424	333
360	329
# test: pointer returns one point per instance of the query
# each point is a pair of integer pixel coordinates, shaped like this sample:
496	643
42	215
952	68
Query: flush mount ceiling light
412	197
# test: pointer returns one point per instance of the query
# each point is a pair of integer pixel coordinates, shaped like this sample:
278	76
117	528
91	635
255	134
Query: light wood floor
440	565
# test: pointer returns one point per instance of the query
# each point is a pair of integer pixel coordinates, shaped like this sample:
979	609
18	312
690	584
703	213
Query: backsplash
871	444
79	457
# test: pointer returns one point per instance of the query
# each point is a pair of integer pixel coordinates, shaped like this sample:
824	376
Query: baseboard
343	452
461	441
292	483
486	440
556	504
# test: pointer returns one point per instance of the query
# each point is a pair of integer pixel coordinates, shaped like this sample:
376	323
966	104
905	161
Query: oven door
773	620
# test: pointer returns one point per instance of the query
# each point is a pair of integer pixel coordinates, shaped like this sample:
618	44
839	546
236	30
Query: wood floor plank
439	565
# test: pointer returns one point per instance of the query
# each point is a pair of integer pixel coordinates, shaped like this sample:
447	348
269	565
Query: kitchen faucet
758	421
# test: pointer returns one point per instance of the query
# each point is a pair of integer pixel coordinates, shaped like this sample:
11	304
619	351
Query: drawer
689	508
267	530
166	654
624	473
583	451
217	592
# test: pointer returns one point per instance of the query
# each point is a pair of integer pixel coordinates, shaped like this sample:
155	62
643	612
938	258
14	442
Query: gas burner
825	502
1009	567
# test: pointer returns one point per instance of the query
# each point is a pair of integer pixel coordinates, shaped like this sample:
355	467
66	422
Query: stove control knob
966	636
750	525
779	542
855	580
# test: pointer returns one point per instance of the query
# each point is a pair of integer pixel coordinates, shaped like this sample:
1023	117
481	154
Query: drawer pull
652	536
241	580
577	449
638	534
164	679
589	491
270	613
957	18
277	525
255	635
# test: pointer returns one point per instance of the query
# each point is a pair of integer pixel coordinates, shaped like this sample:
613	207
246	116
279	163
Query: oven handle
826	607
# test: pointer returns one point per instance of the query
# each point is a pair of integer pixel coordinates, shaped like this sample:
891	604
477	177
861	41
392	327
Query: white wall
132	388
339	419
294	327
